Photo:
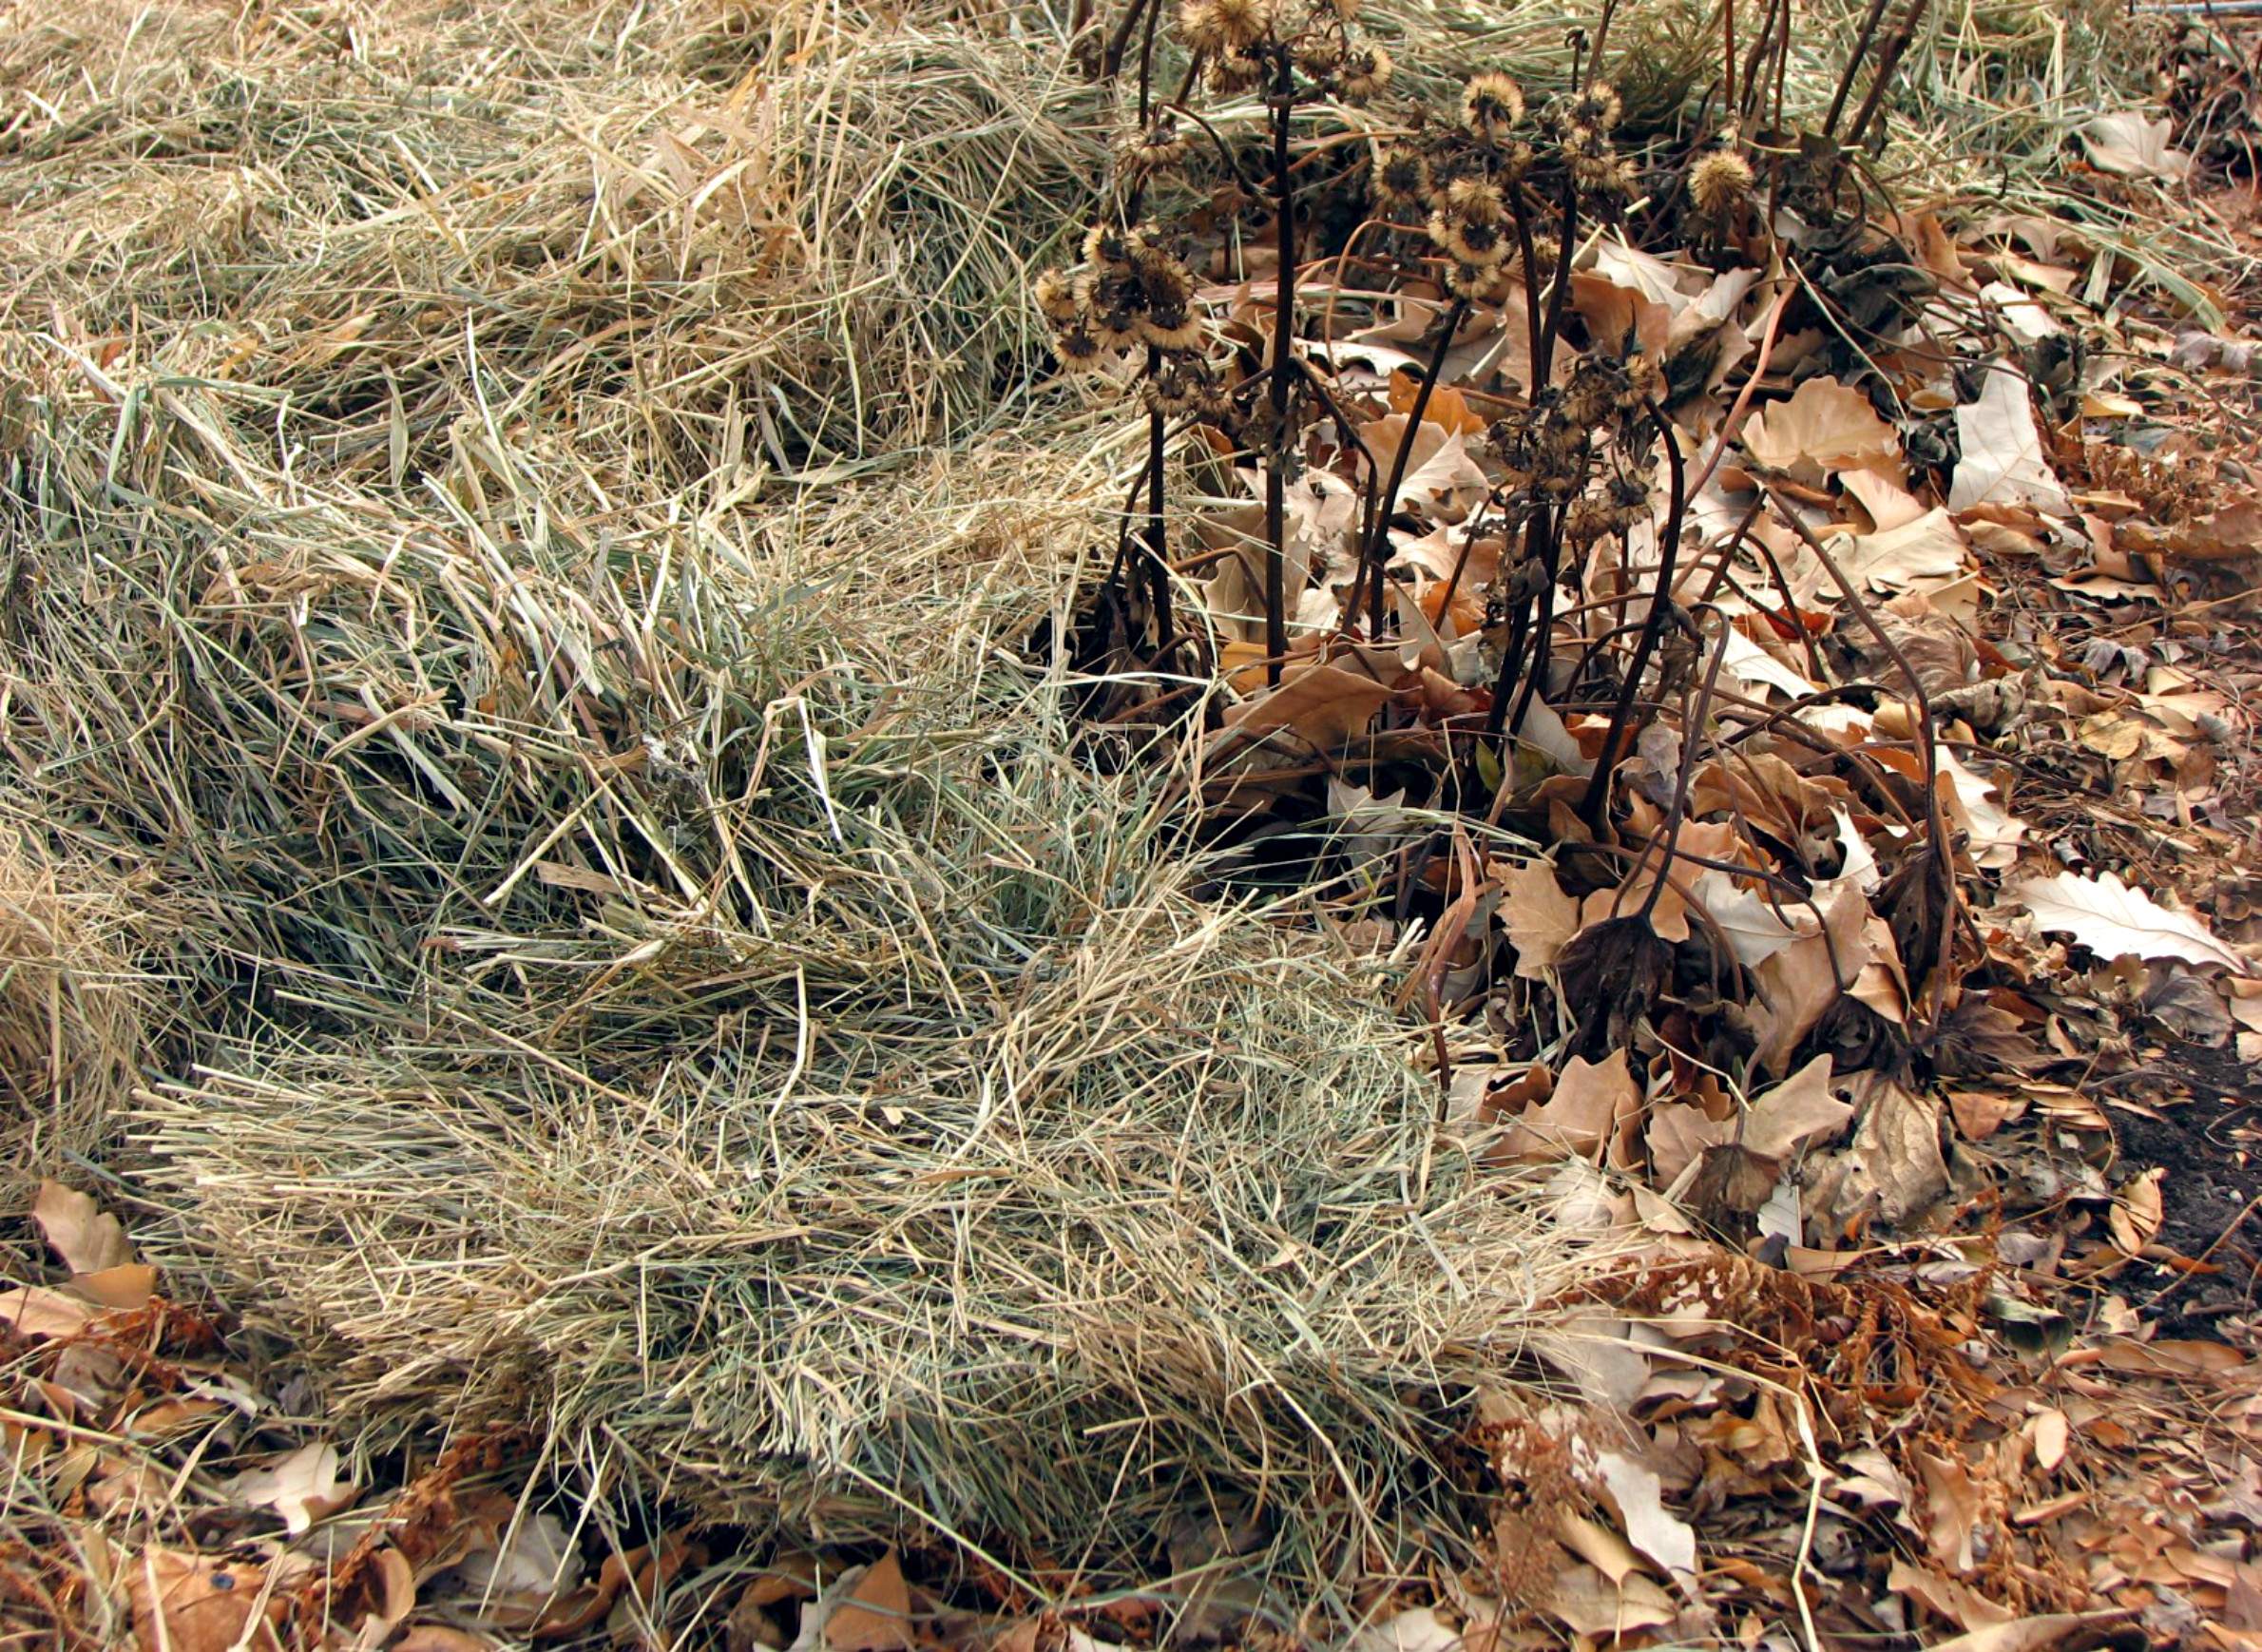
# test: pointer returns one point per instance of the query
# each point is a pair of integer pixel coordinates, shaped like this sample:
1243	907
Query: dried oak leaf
79	1231
193	1603
1825	428
2112	919
302	1486
1323	704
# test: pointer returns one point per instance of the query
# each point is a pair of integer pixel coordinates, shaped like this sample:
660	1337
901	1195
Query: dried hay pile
656	969
650	965
76	1013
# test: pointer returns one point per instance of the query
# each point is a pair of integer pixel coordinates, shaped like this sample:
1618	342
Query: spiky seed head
1319	55
1169	330
1493	102
1200	27
1400	176
1470	240
1242	22
1055	297
1719	181
1107	246
1600	105
1478	282
1366	74
1078	350
1233	73
1587	520
1115	326
1476	201
1156	150
1166	283
1644	383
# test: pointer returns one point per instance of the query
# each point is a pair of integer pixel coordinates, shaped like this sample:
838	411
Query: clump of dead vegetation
656	959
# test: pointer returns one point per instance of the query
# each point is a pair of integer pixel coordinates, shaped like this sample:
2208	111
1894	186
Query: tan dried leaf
1952	1507
2133	146
876	1617
87	1240
2113	920
1323	704
1590	1603
1590	1099
1795	1112
302	1486
1825	428
2000	459
1539	918
34	1311
1649	1526
191	1603
2135	1217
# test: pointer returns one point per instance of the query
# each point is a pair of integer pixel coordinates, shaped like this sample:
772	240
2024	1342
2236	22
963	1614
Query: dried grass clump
75	1014
784	237
673	986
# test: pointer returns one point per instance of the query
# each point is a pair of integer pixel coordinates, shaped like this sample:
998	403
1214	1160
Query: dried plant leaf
876	1616
2133	146
87	1239
1635	1489
302	1486
1592	1605
2113	920
2000	458
1825	428
1323	704
191	1603
34	1311
1539	918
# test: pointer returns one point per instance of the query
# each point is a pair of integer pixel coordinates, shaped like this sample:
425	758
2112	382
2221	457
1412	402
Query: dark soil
2208	1135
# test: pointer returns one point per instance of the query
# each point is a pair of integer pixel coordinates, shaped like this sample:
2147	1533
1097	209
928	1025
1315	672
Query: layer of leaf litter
523	515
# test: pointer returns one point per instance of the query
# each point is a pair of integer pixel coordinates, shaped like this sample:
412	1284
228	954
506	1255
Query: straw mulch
654	966
78	1012
647	959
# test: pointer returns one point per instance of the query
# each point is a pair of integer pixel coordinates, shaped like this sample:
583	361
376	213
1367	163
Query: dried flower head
1319	53
1592	395
1078	350
1159	149
1476	200
1169	329
1108	247
1224	26
1585	520
1055	297
1164	284
1719	181
1115	329
1400	174
1626	500
1493	104
1644	382
1599	106
1232	72
1471	240
1365	74
1480	284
